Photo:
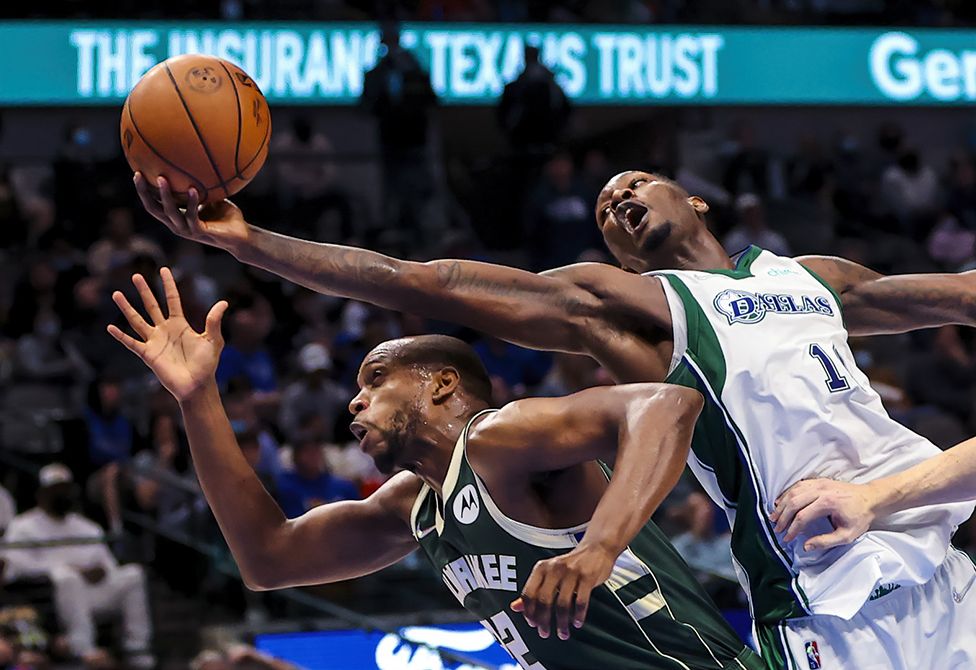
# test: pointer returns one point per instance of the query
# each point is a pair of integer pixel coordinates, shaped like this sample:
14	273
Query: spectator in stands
747	164
310	484
315	393
120	245
945	375
250	446
752	228
241	406
559	217
533	110
246	354
88	582
110	439
513	370
961	197
910	189
398	93
306	182
162	480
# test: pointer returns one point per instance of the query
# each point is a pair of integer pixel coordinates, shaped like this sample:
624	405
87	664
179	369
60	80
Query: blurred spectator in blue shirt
246	354
310	484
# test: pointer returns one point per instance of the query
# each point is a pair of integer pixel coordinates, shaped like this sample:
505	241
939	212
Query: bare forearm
248	517
654	440
505	302
945	478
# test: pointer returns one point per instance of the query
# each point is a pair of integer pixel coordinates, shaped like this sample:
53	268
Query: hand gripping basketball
220	224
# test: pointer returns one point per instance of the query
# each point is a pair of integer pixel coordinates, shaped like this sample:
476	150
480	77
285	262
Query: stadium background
791	137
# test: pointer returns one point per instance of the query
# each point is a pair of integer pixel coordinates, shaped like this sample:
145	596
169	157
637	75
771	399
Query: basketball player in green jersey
764	339
501	501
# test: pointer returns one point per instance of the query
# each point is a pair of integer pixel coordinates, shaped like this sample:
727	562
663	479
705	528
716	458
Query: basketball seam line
267	134
203	143
145	141
240	120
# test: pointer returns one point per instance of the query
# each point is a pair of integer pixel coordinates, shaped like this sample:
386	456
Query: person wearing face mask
88	582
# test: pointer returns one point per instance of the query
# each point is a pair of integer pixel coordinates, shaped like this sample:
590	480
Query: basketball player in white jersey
854	508
764	338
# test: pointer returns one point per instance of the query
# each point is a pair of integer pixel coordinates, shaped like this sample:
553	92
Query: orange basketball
198	121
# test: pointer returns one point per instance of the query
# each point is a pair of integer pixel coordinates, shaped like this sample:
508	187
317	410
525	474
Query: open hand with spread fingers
220	224
560	587
183	359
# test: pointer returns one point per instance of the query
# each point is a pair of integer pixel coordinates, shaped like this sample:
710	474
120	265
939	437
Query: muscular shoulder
398	494
618	291
840	273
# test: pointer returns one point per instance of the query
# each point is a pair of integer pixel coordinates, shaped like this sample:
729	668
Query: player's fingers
149	203
803	518
583	591
214	316
192	216
131	315
173	304
530	593
517	605
176	218
130	343
839	537
565	596
148	299
791	504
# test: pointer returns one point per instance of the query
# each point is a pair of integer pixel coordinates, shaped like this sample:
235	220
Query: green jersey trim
743	264
706	362
830	289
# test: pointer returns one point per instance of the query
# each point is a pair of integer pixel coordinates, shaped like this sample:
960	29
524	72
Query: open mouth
631	215
359	431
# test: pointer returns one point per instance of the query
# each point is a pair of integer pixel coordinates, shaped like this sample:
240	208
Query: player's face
387	411
641	218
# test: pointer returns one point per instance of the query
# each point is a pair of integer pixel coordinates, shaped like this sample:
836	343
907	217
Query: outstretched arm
542	312
875	304
944	478
330	543
644	430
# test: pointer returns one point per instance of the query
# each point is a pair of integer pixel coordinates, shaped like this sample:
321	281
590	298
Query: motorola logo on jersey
466	505
746	307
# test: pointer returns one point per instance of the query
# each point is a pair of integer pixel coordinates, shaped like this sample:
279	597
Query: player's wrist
195	398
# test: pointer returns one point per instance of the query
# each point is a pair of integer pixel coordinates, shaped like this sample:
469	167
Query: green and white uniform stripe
650	614
765	343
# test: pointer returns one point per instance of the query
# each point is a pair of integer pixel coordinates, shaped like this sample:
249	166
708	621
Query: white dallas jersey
766	345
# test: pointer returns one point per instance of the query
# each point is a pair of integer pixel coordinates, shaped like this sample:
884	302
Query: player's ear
699	205
446	382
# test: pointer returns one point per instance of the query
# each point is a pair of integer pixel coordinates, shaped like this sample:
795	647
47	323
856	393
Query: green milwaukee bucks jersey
650	614
766	345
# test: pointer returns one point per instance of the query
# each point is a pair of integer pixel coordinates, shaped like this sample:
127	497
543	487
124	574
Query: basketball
198	121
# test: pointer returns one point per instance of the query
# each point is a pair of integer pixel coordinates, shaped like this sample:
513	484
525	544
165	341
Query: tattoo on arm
453	276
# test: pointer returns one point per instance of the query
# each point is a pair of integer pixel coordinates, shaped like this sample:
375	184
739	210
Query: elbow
260	579
685	403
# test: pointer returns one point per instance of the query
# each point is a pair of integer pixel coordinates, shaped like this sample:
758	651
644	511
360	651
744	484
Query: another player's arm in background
875	304
558	312
644	430
330	543
944	478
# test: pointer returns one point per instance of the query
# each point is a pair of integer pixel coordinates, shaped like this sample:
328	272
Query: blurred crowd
112	441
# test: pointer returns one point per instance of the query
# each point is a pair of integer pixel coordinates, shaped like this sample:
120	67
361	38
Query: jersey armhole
830	289
417	504
679	324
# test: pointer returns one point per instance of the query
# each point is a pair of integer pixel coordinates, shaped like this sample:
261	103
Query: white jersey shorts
931	626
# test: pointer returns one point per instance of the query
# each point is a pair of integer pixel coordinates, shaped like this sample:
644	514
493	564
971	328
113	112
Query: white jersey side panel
802	409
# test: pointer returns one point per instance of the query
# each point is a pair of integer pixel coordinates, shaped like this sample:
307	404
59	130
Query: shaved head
435	352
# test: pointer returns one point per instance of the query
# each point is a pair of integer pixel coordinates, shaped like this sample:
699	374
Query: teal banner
58	63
